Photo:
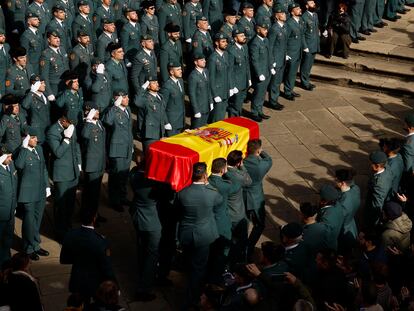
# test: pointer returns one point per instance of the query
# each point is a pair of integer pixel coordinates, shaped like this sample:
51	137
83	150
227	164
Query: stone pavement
325	129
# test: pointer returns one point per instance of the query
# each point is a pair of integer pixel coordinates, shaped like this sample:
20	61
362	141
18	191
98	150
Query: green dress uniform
356	11
147	224
150	26
190	13
130	39
278	47
257	168
15	11
227	29
43	12
298	259
64	30
247	27
173	94
316	237
99	16
407	153
34	180
202	43
170	52
89	254
349	201
151	118
311	33
220	70
260	61
197	230
104	39
69	10
213	10
264	14
18	80
53	63
368	12
284	4
66	159
119	126
12	129
117	74
5	63
379	191
200	96
34	45
169	13
144	66
333	216
37	107
396	165
93	137
241	76
8	203
72	103
295	45
80	60
98	86
82	23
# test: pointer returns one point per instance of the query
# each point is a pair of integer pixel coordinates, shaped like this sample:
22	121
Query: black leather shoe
372	30
307	87
312	85
398	17
118	208
391	19
145	297
256	118
264	116
354	40
365	32
42	252
34	257
379	25
276	106
401	11
295	94
289	97
361	38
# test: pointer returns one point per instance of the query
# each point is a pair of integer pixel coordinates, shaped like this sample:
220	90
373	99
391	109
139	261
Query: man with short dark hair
32	40
60	25
18	75
171	50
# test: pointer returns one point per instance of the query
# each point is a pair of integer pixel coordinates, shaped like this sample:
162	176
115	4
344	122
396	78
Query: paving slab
297	155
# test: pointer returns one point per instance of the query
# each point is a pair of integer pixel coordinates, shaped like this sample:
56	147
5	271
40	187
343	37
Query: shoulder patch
8	83
184	13
42	63
94	18
72	56
195	44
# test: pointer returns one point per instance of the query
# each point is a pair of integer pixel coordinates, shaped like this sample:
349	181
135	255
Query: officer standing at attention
144	64
311	33
15	12
53	63
171	51
130	34
230	19
169	12
213	9
172	92
197	228
103	12
33	190
32	41
264	12
41	10
83	22
81	56
246	23
107	36
220	70
295	46
93	137
67	165
13	125
199	92
239	62
261	66
18	75
116	69
152	118
98	86
278	48
60	25
8	203
5	61
257	163
118	121
149	23
191	12
37	107
201	40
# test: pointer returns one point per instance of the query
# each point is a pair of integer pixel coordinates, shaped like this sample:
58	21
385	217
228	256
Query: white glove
15	31
235	90
262	78
128	65
168	127
69	131
250	82
188	40
288	57
197	115
80	167
217	99
51	98
91	115
272	71
48	192
231	92
211	106
25	142
100	69
35	87
306	50
145	85
325	33
274	65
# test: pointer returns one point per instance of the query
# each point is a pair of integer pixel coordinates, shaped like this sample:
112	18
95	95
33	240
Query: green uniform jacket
239	62
257	167
86	25
150	26
213	10
407	153
12	129
260	57
43	14
93	147
278	44
170	52
247	27
151	116
8	192
202	43
72	103
333	216
16	11
227	29
311	30
284	4
296	38
100	89
144	66
119	128
64	31
80	59
298	260
99	16
117	74
316	237
264	14
102	44
66	157
5	63
34	178
174	100
197	225
396	165
69	10
34	45
220	71
38	114
144	205
190	14
18	80
199	91
350	202
235	201
130	39
169	13
221	212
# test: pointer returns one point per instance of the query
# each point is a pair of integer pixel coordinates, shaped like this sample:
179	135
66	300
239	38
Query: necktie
43	8
8	168
127	114
3	51
58	51
204	74
35	152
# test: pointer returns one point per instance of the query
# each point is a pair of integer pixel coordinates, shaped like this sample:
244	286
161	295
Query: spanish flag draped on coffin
171	159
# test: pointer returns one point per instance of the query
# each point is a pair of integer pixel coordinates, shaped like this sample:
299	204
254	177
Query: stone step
363	80
383	50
